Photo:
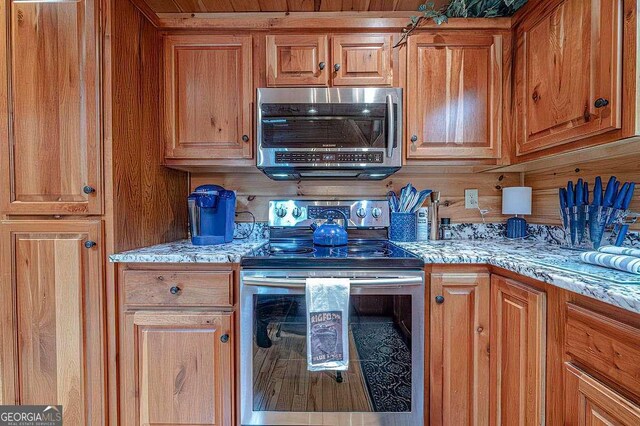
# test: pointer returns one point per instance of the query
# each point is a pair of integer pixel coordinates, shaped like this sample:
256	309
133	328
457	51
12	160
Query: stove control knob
376	212
281	211
296	212
361	212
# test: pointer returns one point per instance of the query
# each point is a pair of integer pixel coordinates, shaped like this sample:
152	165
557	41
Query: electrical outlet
470	198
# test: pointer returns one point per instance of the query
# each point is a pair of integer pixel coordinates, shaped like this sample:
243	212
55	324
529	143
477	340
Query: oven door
384	383
333	123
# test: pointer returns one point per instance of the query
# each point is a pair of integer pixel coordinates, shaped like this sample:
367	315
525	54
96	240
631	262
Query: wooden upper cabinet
178	368
208	97
362	60
49	103
297	60
454	95
51	347
589	402
568	73
518	325
459	364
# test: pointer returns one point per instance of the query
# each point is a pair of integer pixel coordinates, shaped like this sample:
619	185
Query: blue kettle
330	234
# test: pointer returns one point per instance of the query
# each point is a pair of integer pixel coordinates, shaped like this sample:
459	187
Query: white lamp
516	200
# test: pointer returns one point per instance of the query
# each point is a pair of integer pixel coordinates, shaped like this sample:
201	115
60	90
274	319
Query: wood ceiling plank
413	4
330	5
300	5
161	6
194	6
355	5
245	6
272	5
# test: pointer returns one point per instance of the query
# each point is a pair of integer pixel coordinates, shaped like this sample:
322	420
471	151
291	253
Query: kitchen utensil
562	193
597	192
609	193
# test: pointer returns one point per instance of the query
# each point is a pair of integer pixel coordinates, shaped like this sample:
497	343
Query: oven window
379	374
323	125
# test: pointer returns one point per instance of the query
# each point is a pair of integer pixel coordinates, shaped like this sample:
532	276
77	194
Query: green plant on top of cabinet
208	98
454	95
50	150
567	73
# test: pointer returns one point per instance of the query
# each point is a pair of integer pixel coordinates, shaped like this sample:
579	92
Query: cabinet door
177	368
362	60
459	349
297	60
52	317
589	402
567	69
518	324
49	108
454	96
208	97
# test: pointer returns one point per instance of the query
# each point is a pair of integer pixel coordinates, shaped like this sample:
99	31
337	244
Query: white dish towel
327	323
620	250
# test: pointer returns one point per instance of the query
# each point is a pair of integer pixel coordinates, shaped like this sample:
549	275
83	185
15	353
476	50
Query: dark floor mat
386	365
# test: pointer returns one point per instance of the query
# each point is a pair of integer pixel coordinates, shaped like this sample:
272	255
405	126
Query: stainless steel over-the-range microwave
329	133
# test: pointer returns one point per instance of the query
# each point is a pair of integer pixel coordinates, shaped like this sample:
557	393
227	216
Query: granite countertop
522	257
183	251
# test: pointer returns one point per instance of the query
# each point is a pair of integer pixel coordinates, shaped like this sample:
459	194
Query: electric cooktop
358	254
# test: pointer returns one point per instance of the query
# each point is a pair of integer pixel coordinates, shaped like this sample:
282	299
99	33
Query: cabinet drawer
166	288
609	347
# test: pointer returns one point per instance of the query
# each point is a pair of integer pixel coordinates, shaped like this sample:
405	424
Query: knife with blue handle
579	193
621	196
571	197
562	193
629	196
571	202
586	193
609	193
597	192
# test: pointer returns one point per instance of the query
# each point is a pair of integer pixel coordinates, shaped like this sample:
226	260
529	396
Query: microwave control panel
302	157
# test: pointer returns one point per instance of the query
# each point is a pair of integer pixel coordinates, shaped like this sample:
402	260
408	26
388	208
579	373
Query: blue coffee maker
212	212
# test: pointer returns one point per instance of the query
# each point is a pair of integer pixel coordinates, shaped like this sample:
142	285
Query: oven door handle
391	126
300	283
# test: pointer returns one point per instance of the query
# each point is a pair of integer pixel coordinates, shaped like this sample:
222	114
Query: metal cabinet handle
439	300
336	67
414	138
321	65
88	189
224	338
175	290
245	138
601	103
89	244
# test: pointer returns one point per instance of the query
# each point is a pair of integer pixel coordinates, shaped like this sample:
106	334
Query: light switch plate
470	198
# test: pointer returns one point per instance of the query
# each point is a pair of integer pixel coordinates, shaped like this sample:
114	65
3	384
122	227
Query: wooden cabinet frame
52	180
53	297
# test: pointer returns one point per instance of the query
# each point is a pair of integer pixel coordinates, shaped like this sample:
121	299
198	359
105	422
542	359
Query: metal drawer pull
224	338
175	290
89	244
439	300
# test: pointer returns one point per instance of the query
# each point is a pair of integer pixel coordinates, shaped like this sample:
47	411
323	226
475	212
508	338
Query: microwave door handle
391	128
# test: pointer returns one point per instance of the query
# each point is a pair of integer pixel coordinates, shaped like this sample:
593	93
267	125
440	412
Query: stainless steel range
384	383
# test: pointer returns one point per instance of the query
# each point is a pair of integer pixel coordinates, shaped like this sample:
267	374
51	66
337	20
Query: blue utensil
562	193
621	235
579	193
586	193
620	197
610	192
597	192
629	196
571	198
422	196
393	201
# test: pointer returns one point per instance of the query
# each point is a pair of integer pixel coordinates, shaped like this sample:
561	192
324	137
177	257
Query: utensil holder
586	227
403	227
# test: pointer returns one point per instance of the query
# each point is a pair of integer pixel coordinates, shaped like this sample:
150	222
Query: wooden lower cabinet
518	336
459	365
589	402
177	368
51	318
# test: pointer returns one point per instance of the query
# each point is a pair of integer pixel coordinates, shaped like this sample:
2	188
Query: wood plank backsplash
255	190
545	184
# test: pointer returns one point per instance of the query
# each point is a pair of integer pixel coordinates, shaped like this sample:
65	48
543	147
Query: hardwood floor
283	383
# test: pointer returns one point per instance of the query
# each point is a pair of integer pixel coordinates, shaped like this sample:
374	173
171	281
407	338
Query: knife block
587	227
